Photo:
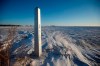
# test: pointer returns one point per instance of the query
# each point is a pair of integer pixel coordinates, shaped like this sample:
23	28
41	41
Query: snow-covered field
61	46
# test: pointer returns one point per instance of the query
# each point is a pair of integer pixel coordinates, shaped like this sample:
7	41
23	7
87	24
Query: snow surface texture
61	46
60	49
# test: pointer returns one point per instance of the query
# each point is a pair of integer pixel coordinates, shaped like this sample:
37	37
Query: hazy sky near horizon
53	12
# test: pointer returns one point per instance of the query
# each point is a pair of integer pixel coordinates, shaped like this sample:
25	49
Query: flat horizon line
51	25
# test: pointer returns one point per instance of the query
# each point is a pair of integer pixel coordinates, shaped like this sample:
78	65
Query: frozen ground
61	46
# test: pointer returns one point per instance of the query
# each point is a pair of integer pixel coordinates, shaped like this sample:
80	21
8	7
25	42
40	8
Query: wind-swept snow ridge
59	40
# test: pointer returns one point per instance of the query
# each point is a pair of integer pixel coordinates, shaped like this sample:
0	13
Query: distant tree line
8	25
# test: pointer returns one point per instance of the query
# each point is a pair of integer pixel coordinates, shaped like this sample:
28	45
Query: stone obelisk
37	32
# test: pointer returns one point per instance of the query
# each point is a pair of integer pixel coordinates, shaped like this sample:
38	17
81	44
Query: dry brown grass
6	45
